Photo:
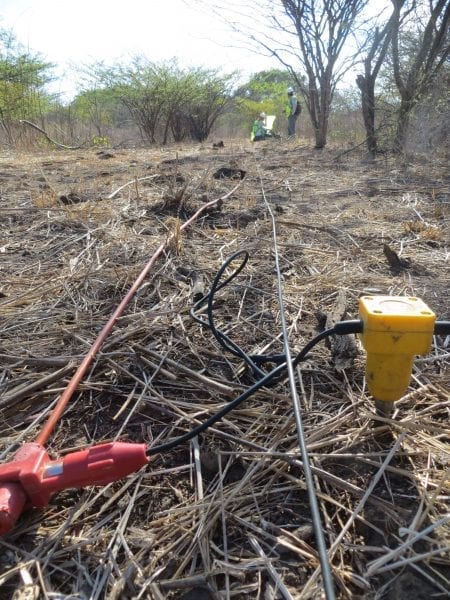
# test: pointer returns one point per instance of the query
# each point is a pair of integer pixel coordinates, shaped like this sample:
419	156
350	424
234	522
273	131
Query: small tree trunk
166	132
403	118
318	111
367	86
320	136
322	130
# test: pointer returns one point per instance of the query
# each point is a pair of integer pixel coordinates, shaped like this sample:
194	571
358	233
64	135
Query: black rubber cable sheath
442	328
160	449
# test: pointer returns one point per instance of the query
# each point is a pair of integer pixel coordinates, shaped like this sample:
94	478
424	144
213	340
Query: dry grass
226	516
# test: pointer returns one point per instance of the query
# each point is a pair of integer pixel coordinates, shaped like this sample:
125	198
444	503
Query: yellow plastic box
395	329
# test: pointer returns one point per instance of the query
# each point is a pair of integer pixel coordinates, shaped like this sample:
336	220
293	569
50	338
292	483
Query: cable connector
32	478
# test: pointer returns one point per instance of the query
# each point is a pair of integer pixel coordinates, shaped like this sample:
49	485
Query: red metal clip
31	478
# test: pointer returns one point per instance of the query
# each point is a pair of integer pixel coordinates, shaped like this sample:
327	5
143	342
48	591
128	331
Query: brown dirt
236	522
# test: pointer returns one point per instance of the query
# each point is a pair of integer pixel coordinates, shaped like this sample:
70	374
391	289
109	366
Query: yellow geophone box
395	330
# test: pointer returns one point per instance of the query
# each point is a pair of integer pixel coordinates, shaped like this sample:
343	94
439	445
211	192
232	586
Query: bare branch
48	137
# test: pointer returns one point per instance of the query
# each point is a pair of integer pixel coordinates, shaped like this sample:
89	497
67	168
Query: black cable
348	327
442	328
208	298
234	403
254	361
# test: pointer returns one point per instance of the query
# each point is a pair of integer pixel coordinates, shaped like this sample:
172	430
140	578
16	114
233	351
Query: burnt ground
227	514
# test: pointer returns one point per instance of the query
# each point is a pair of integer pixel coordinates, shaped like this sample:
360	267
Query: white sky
84	31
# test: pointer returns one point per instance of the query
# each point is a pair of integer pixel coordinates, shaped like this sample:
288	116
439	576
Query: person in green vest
292	111
259	130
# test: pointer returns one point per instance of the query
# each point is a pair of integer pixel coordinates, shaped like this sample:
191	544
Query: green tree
165	100
23	77
266	86
98	107
211	97
143	89
264	92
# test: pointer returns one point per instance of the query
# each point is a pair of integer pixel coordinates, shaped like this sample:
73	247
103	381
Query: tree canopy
23	77
164	100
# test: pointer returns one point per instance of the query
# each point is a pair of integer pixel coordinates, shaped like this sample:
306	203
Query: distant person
259	130
292	111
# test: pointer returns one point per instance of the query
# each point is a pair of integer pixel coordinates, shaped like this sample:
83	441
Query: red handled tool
31	478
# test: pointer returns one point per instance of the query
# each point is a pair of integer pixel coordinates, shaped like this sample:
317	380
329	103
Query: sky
81	32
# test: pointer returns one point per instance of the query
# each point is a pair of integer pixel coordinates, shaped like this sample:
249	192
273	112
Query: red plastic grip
32	478
98	465
13	497
12	503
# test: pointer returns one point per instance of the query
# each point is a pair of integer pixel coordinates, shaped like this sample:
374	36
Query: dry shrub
174	239
45	199
424	230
